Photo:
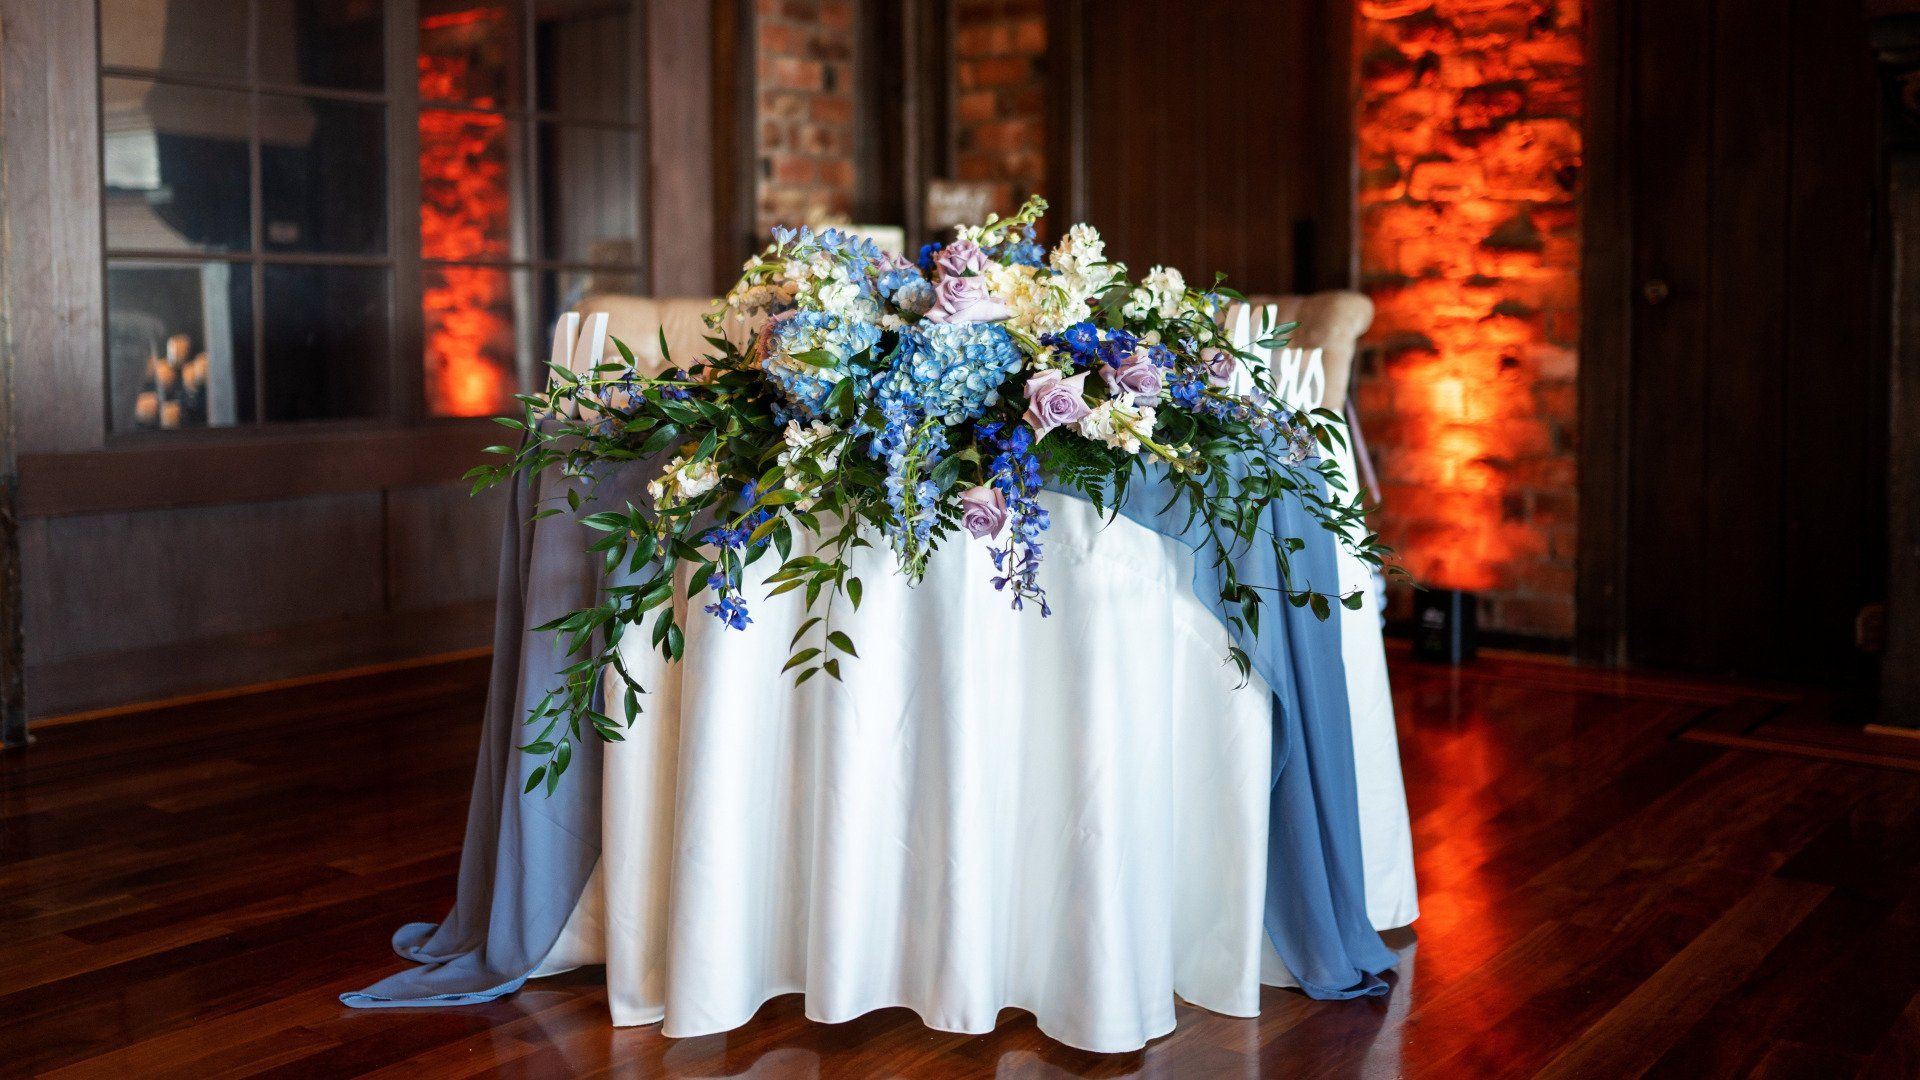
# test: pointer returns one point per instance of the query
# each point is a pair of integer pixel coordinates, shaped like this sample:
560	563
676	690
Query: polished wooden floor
183	892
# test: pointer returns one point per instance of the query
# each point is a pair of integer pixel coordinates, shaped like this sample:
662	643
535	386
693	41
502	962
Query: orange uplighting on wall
1470	147
464	215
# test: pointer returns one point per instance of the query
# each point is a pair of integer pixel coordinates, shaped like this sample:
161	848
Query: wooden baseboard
114	684
1807	729
263	687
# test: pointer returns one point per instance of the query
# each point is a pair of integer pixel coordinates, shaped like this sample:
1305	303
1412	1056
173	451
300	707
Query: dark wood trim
1333	258
13	649
680	76
735	160
274	464
879	112
1606	346
49	110
903	111
927	145
407	381
1066	82
1896	41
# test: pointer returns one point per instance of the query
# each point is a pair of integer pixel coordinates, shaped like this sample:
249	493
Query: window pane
323	175
466	184
582	59
331	43
326	342
176	166
470	53
179	345
471	346
185	37
590	208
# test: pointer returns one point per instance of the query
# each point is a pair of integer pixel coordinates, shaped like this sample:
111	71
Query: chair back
1332	322
639	320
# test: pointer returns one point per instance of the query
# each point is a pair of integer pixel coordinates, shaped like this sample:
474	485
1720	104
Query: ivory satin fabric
1066	816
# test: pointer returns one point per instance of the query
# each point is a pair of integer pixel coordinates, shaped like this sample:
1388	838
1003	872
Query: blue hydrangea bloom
808	331
915	296
950	371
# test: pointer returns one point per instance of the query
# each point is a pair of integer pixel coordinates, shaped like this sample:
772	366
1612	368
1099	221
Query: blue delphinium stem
1015	471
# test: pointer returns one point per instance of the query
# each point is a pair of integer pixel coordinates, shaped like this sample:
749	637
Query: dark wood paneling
49	100
1835	379
13	656
1746	364
1666	603
1740	524
1897	42
902	110
680	78
1202	141
139	680
98	583
185	891
443	545
259	465
1606	340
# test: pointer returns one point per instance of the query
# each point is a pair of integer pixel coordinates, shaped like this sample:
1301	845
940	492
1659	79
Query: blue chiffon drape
527	860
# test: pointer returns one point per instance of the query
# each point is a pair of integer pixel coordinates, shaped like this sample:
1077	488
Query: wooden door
1211	136
1755	519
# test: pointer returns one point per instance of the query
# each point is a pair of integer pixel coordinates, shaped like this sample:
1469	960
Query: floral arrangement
865	398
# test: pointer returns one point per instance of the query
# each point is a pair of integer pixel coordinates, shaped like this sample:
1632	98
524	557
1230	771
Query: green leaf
534	778
842	642
799	658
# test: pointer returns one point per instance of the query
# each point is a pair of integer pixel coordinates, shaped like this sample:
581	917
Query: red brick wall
804	52
999	106
1470	143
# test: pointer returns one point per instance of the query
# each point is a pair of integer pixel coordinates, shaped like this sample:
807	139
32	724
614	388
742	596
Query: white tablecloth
1066	816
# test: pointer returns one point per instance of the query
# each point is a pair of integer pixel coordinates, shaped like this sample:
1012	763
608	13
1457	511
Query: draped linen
526	859
994	810
526	867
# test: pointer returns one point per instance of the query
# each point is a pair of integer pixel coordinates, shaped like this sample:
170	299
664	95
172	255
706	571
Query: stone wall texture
999	107
1469	128
804	56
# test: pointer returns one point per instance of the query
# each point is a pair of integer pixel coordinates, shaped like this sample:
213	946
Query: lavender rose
1219	364
1136	375
961	295
965	300
983	511
1052	401
962	258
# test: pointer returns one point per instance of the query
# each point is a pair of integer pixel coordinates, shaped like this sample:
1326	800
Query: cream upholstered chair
1331	322
638	321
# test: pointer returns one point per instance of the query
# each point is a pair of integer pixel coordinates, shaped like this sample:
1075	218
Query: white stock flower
801	443
681	481
1119	424
1161	293
1076	260
1038	302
